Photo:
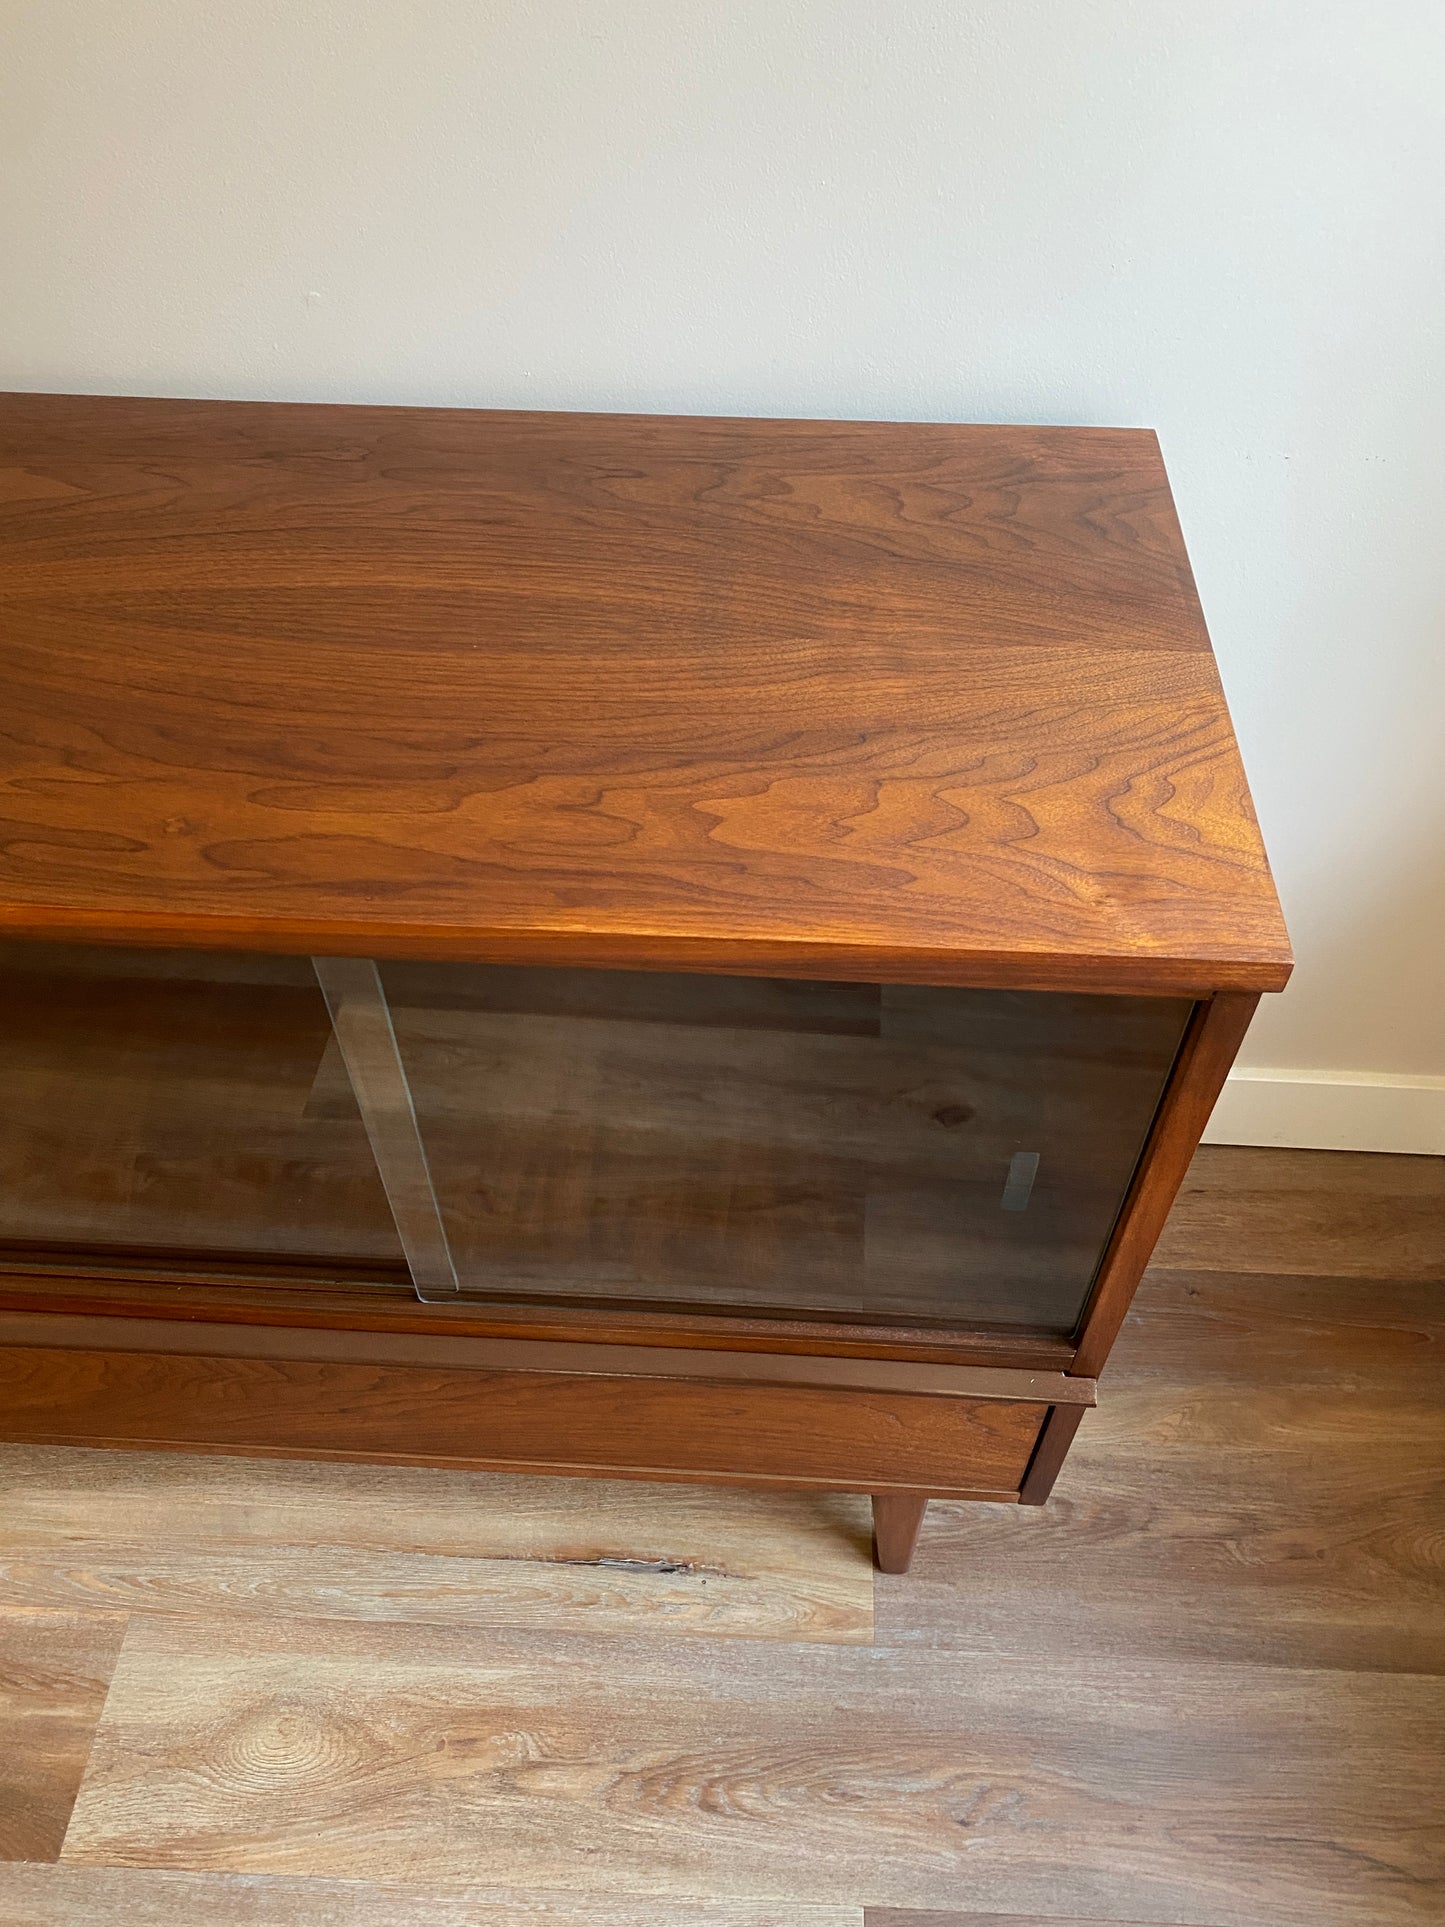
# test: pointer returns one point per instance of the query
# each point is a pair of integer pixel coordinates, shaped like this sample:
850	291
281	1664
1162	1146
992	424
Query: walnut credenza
670	948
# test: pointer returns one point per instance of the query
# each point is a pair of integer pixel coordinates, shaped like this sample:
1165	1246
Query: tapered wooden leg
897	1517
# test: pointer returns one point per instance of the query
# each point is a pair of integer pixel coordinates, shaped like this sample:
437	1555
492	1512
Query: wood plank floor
1205	1686
70	1896
155	1532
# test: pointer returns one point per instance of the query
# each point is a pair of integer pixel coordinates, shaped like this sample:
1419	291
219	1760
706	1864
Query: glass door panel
848	1151
853	1151
181	1107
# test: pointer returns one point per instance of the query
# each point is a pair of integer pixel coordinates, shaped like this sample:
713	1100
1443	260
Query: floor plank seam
130	1619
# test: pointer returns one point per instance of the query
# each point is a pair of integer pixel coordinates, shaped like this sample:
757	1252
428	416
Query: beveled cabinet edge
861	960
1211	1042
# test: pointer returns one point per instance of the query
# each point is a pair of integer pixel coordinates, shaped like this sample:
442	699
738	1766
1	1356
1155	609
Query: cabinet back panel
159	1101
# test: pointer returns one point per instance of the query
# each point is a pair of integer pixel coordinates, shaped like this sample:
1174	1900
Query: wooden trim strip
846	1440
60	1331
530	1468
130	1292
1211	1043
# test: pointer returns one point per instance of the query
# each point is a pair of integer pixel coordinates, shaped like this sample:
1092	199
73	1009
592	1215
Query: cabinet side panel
1052	1449
1210	1046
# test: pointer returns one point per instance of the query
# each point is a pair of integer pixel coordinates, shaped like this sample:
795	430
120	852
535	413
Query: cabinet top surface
851	699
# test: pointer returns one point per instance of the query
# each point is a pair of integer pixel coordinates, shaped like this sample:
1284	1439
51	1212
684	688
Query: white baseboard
1331	1111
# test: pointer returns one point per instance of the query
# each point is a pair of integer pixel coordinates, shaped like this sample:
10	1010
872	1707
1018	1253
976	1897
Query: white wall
1223	218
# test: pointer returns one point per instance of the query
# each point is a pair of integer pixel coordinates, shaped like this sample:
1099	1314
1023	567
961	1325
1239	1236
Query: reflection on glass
182	1105
858	1151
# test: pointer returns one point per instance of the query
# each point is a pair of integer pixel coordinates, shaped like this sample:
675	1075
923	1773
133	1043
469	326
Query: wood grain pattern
845	700
880	1777
65	1896
165	1533
1263	1482
55	1668
797	1436
1327	1214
